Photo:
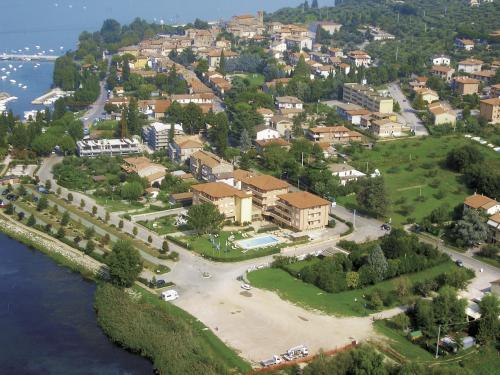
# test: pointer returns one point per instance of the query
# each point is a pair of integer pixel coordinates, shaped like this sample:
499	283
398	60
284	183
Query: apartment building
107	147
265	190
206	166
441	60
466	85
333	134
289	102
301	211
182	147
156	135
443	72
470	65
234	204
490	110
442	114
384	128
359	58
367	97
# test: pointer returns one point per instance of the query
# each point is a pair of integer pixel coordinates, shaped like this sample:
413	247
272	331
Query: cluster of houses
468	79
490	208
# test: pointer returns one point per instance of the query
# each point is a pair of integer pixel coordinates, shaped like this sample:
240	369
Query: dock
19	57
50	97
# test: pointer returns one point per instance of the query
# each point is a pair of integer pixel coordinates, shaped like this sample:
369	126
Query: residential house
299	42
181	148
107	147
207	98
345	173
154	108
485	76
260	146
494	226
282	124
265	190
345	68
269	86
465	85
330	27
157	134
263	133
442	114
301	211
495	91
441	60
154	173
367	97
482	203
184	199
386	128
470	65
206	166
490	110
214	56
466	44
221	86
335	52
443	72
333	134
354	115
359	58
234	204
266	114
428	95
246	26
378	34
289	102
419	83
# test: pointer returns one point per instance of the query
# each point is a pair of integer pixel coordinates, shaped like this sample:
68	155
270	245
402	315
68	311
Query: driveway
407	112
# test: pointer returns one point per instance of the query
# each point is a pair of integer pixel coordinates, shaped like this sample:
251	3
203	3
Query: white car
169	295
246	287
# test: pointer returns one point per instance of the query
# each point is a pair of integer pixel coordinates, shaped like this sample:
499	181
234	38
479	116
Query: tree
70	197
402	285
470	230
133	122
89	247
106	217
419	103
461	158
222	64
302	70
245	141
314	4
164	247
123	124
372	196
65	218
401	321
42	204
150	239
89	233
94	210
48	184
10	209
120	224
352	279
205	218
125	264
60	232
376	260
31	221
134	231
448	308
131	191
396	107
489	325
82	204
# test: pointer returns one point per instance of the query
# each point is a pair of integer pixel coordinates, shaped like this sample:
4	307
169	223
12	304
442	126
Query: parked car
169	295
246	287
5	192
274	360
160	283
3	204
459	263
12	197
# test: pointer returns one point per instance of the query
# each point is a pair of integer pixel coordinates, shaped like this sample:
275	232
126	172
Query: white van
169	295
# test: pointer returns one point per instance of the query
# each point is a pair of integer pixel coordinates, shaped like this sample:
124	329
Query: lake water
47	322
56	24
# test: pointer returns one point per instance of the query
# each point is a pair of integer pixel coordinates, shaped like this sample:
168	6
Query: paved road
97	108
158	214
407	112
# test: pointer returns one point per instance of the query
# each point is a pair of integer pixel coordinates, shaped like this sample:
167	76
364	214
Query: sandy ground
259	324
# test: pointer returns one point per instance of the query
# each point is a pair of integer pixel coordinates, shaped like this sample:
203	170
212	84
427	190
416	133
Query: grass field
255	79
414	174
116	205
164	225
343	304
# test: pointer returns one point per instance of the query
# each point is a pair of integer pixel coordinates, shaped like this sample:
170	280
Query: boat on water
12	81
3	78
37	47
25	87
3	69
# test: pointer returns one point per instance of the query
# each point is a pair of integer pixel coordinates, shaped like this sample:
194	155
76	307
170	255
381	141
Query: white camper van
169	295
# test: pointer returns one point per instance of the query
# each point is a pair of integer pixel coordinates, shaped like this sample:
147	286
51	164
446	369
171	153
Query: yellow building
428	95
141	62
367	97
301	211
234	204
490	110
265	190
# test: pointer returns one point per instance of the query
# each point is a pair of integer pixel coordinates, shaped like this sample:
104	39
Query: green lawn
310	296
164	225
117	205
413	167
256	79
213	343
203	246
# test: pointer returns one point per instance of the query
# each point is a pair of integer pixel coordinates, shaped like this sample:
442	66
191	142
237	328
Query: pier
17	57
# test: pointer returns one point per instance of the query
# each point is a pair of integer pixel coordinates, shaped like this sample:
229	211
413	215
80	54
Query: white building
345	173
107	147
289	102
264	133
157	134
441	60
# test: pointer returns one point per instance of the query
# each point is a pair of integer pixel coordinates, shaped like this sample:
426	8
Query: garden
164	225
374	276
415	175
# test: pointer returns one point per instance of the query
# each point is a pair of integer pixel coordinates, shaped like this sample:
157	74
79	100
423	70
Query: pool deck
244	244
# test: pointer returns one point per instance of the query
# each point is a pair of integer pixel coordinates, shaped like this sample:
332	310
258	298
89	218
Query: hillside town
279	165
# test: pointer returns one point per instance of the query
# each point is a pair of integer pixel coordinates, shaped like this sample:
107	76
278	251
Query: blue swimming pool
256	242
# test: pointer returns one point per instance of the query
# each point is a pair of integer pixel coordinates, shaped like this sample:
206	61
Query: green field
203	246
164	225
117	205
414	174
342	304
255	79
